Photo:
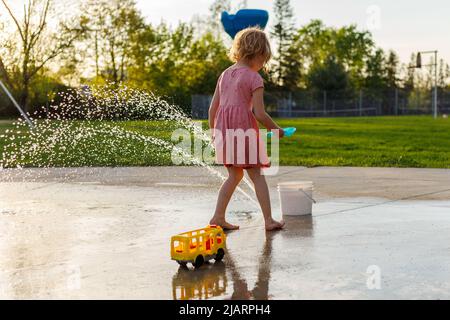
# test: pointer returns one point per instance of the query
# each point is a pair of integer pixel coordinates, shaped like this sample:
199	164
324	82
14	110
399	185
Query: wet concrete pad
104	233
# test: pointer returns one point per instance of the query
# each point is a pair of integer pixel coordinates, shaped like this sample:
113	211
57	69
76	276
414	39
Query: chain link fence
312	103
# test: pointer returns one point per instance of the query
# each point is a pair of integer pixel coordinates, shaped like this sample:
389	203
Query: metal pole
28	120
360	102
435	64
290	104
435	111
396	102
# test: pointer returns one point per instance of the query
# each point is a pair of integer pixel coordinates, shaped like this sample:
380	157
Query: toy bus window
193	244
211	237
219	238
178	246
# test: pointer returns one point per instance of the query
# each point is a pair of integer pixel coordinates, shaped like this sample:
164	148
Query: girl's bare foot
225	225
274	225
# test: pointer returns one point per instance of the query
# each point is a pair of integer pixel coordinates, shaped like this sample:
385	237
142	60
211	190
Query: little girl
237	105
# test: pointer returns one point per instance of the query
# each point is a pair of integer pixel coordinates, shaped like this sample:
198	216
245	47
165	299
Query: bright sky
403	25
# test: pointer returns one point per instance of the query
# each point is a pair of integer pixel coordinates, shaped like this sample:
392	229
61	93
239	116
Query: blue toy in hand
288	132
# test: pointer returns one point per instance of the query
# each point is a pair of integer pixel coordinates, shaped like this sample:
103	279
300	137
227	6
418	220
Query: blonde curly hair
250	43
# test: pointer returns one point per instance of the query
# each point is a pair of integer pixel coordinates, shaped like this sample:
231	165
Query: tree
443	74
392	69
315	42
213	21
328	76
293	72
283	32
409	82
243	4
353	48
375	80
7	49
38	44
206	60
113	25
176	64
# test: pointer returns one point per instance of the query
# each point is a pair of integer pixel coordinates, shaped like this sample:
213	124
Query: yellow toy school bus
198	246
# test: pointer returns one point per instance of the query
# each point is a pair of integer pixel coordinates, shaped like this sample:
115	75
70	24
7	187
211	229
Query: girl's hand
281	133
271	132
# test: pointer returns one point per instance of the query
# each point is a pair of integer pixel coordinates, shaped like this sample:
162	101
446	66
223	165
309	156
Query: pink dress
237	139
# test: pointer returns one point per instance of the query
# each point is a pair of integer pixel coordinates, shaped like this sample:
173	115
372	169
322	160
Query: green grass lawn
413	141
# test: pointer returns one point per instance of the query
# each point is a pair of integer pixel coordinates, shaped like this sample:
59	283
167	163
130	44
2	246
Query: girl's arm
214	107
261	114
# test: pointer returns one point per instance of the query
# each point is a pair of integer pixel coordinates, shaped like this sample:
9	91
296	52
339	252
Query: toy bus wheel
198	262
219	255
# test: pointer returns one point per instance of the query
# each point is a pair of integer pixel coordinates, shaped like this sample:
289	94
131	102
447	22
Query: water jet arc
30	123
